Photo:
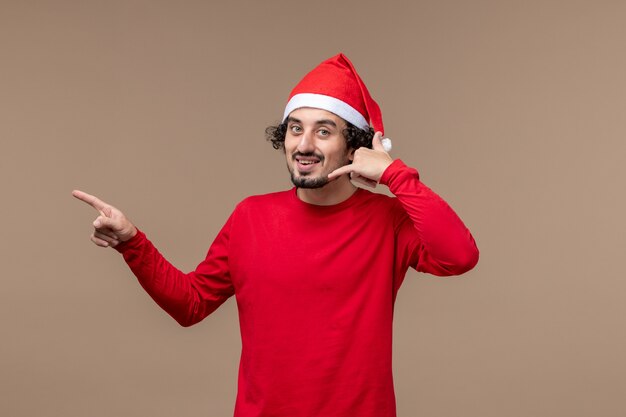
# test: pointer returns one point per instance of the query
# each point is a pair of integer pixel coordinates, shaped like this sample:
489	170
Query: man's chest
304	255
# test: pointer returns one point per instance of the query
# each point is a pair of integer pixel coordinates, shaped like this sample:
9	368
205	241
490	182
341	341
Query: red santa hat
335	86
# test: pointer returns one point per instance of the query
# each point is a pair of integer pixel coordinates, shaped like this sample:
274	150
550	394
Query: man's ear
351	154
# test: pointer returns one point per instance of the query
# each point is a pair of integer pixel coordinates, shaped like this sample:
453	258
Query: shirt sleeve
431	237
187	297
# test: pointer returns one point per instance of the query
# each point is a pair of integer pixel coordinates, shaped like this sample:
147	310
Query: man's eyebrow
326	122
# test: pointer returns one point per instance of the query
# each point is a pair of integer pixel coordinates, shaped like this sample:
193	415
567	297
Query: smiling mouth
306	162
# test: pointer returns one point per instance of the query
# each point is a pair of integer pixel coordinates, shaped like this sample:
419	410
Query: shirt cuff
132	243
395	170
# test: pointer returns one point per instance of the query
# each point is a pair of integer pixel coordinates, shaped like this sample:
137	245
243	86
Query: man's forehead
315	116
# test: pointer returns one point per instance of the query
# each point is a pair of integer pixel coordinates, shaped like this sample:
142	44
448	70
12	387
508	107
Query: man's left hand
368	164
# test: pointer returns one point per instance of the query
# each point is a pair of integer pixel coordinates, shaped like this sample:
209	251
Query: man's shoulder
370	197
374	204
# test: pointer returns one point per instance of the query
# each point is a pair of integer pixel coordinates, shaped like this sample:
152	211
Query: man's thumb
105	222
376	142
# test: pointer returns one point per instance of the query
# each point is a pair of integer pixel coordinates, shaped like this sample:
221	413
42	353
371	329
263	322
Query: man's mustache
307	154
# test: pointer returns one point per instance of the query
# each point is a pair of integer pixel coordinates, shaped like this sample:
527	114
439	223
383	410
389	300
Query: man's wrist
391	170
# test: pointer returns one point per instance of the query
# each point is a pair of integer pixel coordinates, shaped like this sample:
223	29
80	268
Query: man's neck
332	193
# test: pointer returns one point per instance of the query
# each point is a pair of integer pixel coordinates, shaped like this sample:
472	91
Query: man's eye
324	132
296	129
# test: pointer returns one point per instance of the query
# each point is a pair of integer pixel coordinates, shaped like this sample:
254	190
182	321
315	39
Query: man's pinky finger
99	241
111	240
364	181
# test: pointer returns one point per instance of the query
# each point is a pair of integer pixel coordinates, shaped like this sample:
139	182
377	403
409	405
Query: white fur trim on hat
331	104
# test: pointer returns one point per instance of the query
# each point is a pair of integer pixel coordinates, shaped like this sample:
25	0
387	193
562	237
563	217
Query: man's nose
307	142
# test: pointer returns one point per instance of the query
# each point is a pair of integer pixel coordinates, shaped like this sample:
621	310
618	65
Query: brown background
513	111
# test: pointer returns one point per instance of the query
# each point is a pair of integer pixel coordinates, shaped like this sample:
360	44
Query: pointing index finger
92	200
340	171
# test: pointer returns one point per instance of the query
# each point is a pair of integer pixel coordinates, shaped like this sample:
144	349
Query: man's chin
306	182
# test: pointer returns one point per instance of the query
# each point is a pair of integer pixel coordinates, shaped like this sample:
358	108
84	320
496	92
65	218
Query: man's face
314	146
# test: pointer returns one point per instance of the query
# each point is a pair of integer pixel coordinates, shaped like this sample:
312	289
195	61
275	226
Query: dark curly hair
355	137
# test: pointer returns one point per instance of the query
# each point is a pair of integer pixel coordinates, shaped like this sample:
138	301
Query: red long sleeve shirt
315	289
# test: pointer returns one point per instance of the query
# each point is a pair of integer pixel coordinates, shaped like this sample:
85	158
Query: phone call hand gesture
368	164
111	227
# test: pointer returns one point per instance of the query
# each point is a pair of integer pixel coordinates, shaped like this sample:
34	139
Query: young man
315	269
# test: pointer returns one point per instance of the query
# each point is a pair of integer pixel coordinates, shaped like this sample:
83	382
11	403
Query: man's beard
304	182
311	182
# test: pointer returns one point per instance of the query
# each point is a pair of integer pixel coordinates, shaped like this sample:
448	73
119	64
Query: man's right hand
111	227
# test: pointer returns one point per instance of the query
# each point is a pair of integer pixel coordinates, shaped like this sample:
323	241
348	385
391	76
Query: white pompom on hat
335	86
